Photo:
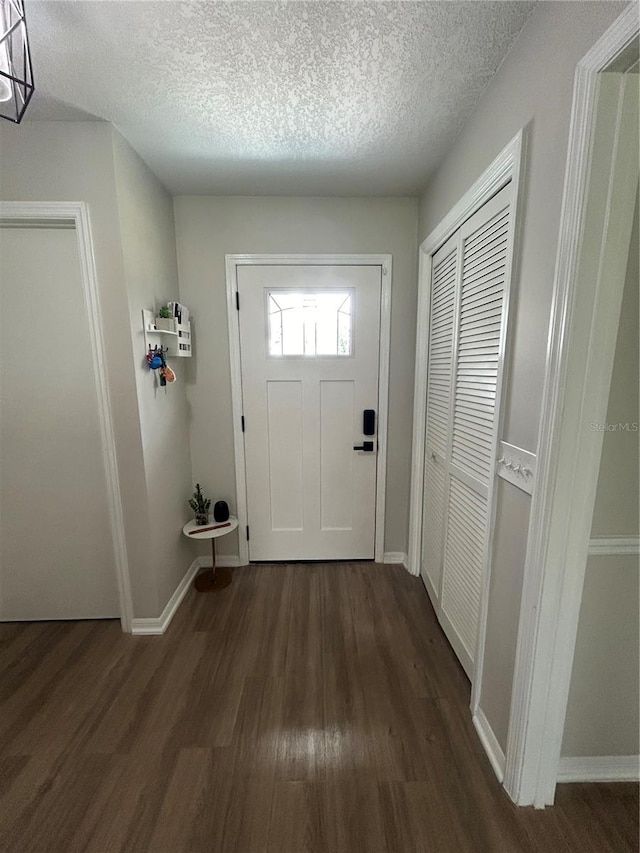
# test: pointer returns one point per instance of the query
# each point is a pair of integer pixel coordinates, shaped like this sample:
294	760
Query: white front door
309	340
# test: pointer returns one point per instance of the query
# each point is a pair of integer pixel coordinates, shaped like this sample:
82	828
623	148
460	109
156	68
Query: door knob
366	445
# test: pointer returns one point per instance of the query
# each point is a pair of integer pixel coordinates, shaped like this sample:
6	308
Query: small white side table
209	581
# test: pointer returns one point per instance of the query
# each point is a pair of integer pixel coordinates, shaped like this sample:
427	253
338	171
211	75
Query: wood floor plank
21	795
295	824
104	824
57	806
181	801
77	698
115	730
417	818
208	715
22	644
355	815
354	742
38	681
308	708
139	803
236	817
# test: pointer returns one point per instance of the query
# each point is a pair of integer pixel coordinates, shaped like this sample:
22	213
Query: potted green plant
164	322
200	505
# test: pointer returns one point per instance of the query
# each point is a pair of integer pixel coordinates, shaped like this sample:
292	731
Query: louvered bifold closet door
479	346
445	272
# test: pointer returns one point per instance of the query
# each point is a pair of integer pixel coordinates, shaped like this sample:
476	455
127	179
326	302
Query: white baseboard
398	557
599	768
490	743
431	590
160	624
225	561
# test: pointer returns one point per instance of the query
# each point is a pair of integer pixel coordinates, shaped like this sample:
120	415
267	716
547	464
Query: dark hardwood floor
305	708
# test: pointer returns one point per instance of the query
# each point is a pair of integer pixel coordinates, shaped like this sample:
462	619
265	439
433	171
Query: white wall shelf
177	339
151	329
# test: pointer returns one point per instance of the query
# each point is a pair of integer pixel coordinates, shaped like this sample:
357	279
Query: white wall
74	161
602	712
145	211
616	509
82	153
532	88
207	228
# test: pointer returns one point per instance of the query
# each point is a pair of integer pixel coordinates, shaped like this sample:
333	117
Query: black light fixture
16	74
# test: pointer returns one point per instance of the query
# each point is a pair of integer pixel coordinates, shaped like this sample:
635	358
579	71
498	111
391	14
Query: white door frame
76	214
507	167
385	264
575	392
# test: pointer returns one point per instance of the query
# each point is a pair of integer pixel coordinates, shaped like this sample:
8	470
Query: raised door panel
337	459
286	462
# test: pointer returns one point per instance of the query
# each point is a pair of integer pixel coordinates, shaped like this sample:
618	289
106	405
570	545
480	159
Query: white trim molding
159	624
579	361
599	768
491	181
385	262
614	546
506	167
395	558
431	590
490	743
76	215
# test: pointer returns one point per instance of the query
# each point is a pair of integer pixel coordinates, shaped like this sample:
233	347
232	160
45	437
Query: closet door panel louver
485	239
463	567
445	275
433	521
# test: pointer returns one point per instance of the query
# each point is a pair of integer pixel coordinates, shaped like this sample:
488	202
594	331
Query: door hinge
385	270
242	422
247	532
237	301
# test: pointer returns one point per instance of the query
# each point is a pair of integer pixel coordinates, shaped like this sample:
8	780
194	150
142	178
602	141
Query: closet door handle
366	445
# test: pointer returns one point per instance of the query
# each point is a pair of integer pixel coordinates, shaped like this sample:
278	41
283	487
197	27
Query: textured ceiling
262	98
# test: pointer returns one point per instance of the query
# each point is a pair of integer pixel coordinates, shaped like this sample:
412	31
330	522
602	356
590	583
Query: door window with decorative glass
310	323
